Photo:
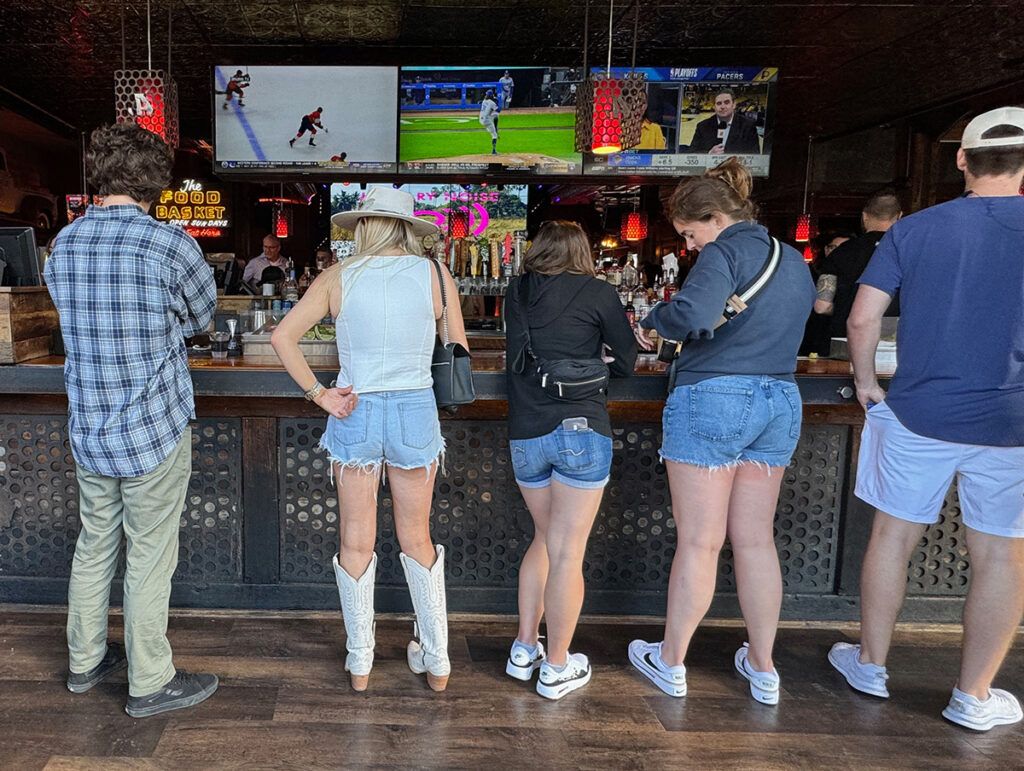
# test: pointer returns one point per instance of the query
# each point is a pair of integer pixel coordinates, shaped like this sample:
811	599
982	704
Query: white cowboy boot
430	652
357	610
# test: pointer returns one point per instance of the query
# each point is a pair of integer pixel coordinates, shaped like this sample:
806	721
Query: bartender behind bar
270	258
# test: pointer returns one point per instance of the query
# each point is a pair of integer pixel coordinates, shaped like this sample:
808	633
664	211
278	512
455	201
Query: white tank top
386	326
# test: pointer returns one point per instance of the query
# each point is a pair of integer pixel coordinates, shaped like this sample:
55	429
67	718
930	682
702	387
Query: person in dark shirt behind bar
129	291
842	268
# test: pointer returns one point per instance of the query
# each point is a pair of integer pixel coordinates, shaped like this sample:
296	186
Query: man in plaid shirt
129	290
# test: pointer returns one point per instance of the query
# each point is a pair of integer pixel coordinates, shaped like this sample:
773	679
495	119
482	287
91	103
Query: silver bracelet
317	389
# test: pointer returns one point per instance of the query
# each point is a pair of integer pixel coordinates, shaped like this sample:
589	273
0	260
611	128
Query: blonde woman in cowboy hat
386	300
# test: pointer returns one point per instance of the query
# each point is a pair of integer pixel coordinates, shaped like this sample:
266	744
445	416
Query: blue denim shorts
397	428
579	458
733	419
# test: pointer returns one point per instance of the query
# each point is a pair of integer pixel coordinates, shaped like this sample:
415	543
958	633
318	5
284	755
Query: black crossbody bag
452	365
565	380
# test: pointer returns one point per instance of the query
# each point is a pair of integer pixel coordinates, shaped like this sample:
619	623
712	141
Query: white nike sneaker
523	660
764	686
1000	708
646	657
555	683
866	678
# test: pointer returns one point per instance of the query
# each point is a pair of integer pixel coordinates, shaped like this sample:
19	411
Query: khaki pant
148	510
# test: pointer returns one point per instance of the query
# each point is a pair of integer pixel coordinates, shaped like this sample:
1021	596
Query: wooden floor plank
285	702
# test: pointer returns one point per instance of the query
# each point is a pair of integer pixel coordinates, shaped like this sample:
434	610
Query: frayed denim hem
378	467
712	467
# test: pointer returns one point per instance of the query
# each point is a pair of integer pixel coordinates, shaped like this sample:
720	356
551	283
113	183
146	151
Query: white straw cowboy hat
385	201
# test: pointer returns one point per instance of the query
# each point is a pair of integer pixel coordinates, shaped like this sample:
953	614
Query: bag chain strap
444	302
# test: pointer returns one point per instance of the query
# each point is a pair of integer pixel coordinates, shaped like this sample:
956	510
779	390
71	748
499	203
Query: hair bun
735	175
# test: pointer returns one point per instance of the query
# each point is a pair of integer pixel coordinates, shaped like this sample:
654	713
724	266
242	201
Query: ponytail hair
725	189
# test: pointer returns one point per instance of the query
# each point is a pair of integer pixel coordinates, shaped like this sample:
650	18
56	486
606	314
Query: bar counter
260	523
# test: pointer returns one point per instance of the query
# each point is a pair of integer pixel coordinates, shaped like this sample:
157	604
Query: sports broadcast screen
492	210
696	118
495	119
312	119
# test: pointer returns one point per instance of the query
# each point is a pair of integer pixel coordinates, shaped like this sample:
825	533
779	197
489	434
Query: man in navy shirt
955	409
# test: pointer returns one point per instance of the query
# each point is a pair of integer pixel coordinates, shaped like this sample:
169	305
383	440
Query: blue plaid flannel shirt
129	290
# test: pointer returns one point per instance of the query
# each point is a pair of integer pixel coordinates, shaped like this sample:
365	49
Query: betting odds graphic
466	119
696	118
305	118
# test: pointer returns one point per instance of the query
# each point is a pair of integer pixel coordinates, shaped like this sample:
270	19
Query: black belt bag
566	380
669	350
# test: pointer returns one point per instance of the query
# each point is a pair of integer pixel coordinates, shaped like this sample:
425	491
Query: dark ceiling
842	64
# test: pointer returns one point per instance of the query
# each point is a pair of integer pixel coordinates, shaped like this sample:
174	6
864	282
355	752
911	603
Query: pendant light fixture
805	225
148	98
458	223
610	109
634	226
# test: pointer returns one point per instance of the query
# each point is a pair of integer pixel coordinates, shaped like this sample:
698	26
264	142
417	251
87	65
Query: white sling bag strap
736	304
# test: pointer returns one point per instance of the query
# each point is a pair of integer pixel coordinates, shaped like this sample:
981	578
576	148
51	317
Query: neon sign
202	212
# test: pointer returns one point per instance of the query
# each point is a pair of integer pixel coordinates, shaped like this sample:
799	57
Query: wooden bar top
483	361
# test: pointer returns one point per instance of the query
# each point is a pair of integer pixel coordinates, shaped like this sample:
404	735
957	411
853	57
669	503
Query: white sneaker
764	686
646	657
523	660
866	678
1000	708
554	683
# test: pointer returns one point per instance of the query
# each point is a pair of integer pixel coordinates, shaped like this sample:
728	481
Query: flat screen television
457	120
305	119
491	210
696	118
19	257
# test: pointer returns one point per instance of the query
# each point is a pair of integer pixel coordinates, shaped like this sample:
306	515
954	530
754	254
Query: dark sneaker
184	690
113	661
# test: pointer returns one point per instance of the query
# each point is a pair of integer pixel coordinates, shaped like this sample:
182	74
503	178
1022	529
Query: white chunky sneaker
866	678
1000	708
646	657
555	683
764	686
523	660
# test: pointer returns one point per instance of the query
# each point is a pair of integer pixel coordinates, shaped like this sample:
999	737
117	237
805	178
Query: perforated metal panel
211	524
480	517
37	477
939	565
39	506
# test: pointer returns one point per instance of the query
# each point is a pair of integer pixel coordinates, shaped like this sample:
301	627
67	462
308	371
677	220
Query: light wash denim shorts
907	476
580	458
396	428
725	421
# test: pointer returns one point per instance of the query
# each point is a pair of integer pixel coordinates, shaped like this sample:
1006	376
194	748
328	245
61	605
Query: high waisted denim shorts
397	428
724	421
580	458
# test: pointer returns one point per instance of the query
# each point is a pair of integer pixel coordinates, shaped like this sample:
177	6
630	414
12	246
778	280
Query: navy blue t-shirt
959	268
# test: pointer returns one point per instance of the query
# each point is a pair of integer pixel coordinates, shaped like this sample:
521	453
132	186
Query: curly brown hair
125	159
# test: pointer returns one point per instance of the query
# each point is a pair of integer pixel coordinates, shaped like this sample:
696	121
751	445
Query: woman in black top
561	450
